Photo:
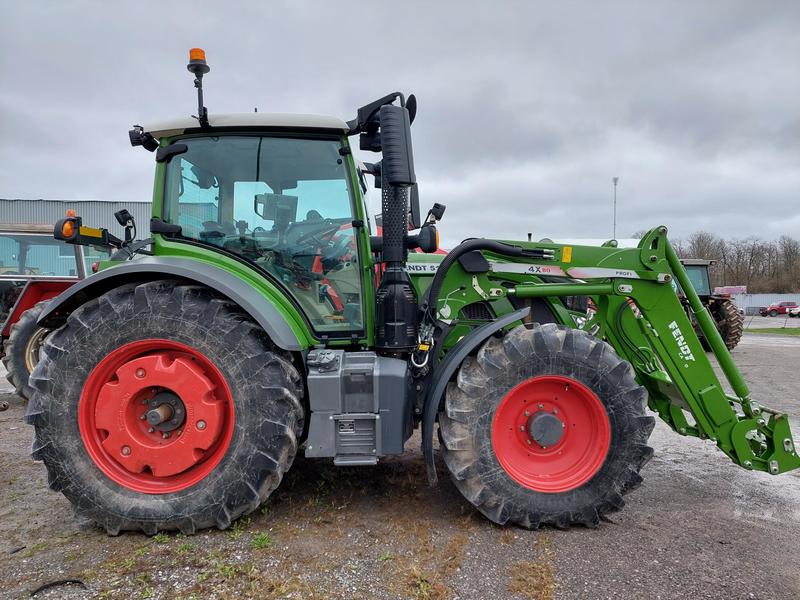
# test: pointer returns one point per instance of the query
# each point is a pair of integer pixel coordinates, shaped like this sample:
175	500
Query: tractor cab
284	204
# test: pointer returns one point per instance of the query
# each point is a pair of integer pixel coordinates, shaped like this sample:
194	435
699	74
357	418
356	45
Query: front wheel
545	426
159	406
773	313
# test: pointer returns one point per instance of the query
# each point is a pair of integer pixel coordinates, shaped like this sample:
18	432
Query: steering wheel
336	250
318	236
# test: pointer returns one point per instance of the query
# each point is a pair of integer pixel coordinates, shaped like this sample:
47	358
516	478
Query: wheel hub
545	429
167	411
155	416
551	433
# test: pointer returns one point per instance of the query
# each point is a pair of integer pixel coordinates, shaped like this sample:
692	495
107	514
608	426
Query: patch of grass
532	579
225	570
425	586
386	556
186	547
293	587
35	549
776	330
261	541
140	551
160	538
147	592
236	531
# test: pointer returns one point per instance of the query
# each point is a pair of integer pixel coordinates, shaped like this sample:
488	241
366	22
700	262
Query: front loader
264	318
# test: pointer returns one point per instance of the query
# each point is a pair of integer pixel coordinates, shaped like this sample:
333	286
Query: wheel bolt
541	406
201	425
140	373
164	435
527	414
522	427
151	430
143	417
126	450
529	442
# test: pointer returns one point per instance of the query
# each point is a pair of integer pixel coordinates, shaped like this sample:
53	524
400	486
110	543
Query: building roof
253	120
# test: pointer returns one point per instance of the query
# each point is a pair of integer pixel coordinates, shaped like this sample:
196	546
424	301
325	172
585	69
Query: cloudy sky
526	109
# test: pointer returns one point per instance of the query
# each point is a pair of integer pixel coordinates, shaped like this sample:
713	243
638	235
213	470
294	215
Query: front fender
445	371
264	312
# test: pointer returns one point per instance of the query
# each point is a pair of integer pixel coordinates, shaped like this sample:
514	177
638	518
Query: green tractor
726	315
264	317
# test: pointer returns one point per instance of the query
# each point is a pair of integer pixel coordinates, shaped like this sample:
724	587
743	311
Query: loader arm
639	313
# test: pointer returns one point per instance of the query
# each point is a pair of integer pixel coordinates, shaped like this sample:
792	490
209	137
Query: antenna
198	66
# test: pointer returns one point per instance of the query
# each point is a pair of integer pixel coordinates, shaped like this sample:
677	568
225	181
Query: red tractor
34	267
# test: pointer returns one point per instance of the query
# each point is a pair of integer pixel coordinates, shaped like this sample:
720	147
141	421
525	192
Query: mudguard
445	371
157	267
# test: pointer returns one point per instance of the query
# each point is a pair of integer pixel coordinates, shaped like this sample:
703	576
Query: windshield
36	255
698	275
284	204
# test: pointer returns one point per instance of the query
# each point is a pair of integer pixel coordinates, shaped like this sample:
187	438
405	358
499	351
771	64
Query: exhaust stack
396	300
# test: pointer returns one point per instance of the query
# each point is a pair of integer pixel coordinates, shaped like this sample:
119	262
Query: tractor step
355	461
358	406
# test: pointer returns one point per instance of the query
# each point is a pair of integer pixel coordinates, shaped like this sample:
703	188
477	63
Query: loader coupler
765	443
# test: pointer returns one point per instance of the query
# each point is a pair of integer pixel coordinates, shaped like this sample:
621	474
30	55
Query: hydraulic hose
432	298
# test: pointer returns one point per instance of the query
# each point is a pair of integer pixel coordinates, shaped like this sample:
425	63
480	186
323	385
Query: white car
794	312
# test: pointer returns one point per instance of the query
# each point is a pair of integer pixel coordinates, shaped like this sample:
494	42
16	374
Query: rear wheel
545	426
773	313
22	349
730	322
160	406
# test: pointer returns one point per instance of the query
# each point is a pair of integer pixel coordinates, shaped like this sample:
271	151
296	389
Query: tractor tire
22	349
232	402
545	426
730	323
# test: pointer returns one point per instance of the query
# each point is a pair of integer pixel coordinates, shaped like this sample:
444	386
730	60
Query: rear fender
251	300
33	293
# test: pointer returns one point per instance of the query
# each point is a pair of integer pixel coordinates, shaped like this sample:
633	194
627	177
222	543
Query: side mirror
426	240
414	216
437	211
205	180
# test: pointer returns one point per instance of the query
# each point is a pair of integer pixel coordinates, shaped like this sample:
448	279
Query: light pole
616	181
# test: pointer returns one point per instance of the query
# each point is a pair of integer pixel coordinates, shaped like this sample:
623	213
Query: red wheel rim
582	443
125	446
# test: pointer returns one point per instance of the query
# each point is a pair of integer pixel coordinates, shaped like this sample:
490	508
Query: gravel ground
699	527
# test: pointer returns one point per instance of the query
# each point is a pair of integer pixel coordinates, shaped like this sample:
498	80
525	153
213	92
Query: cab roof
252	120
